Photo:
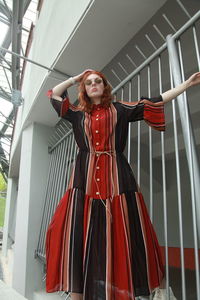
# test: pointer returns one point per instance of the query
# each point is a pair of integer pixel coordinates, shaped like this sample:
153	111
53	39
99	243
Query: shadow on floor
176	283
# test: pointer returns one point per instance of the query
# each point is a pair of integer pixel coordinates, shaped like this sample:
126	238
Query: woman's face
94	86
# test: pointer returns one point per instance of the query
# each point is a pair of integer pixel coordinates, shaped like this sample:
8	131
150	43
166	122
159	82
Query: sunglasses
96	80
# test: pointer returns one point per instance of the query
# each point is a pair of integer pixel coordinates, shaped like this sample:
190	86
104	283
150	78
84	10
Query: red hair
85	101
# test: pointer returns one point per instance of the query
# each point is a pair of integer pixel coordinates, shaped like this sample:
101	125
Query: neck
96	100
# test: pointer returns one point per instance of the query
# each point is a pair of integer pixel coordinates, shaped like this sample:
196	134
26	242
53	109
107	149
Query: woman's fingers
80	76
194	79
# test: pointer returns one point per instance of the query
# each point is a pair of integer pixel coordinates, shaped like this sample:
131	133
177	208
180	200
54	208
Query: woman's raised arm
173	93
63	86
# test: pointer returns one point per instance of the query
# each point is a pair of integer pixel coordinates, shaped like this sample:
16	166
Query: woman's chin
95	95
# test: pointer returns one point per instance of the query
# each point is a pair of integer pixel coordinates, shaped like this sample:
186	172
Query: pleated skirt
105	251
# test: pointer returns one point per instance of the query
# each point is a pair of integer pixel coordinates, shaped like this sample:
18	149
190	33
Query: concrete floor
1	272
7	293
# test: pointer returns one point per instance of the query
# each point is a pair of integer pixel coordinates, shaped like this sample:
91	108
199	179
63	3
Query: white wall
27	271
9	221
61	18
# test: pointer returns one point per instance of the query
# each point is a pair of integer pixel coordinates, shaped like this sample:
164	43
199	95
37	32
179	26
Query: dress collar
95	106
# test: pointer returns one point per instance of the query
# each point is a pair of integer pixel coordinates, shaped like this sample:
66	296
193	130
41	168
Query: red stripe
64	106
174	254
54	240
122	279
154	116
153	254
49	93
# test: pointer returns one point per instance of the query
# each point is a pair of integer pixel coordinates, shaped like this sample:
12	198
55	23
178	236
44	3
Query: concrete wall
46	48
10	214
27	271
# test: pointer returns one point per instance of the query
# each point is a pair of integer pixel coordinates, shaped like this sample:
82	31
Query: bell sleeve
64	108
151	110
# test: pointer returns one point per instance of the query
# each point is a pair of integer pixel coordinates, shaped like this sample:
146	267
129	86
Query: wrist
72	80
187	83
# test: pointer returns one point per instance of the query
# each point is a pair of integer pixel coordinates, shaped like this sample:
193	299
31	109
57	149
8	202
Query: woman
100	243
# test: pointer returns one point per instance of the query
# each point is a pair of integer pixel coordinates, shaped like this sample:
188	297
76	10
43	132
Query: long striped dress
100	241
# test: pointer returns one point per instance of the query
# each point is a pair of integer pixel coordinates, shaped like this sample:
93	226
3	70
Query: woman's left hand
194	79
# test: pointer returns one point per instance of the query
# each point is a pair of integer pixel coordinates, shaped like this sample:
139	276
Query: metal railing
63	150
176	73
165	68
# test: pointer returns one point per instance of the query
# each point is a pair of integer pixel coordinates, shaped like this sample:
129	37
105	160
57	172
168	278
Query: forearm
173	93
61	87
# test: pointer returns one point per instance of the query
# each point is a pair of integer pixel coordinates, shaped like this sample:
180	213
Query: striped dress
100	241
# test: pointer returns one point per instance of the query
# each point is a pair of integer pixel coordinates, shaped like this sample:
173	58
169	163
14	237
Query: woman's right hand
61	87
78	78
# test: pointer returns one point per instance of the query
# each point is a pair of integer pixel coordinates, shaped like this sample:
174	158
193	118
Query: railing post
190	147
186	124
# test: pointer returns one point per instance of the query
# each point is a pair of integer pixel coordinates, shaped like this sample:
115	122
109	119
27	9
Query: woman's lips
94	90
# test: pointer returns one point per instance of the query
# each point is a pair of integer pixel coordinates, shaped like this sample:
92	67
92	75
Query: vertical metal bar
183	8
196	45
63	167
44	215
64	185
122	68
169	22
192	167
159	32
129	125
164	188
70	157
57	178
131	60
178	179
165	214
74	153
68	161
139	137
60	147
150	153
49	197
50	207
65	145
116	75
190	149
122	93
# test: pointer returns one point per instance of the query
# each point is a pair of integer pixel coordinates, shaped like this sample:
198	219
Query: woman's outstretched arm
63	86
173	93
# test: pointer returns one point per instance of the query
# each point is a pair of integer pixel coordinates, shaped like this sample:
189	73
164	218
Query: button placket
97	143
98	181
97	131
97	177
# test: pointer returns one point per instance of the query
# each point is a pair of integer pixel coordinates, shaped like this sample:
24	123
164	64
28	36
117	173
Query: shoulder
74	108
125	104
